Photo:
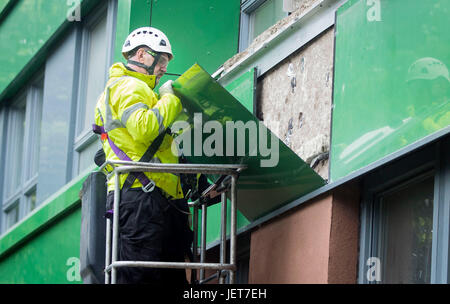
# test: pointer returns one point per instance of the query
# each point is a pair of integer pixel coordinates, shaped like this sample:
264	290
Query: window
256	17
405	218
405	231
21	137
96	57
58	123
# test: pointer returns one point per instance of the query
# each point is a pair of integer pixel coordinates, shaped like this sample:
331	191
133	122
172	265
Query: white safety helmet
427	68
148	36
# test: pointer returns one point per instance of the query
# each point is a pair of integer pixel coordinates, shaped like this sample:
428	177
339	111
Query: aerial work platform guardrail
228	184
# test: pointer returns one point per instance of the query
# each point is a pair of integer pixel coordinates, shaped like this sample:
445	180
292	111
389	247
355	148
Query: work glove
166	88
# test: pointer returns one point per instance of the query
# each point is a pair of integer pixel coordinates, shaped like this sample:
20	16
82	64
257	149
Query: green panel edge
5	6
346	5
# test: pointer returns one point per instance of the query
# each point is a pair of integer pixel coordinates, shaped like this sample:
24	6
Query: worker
133	121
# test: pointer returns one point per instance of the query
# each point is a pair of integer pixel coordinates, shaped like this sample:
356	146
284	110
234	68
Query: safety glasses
162	61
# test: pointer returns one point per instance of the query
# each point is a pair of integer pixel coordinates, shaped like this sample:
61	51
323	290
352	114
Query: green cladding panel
232	135
392	84
243	90
203	31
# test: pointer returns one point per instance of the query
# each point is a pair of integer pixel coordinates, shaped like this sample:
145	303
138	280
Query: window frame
84	138
425	162
3	115
29	99
248	7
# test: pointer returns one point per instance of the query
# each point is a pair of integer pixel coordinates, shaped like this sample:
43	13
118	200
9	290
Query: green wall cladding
131	14
202	31
392	84
243	89
24	31
45	246
51	257
28	32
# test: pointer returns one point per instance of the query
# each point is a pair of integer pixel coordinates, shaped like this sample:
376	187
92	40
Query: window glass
35	117
265	16
12	216
87	155
96	69
56	141
2	152
14	149
96	60
31	201
406	233
22	154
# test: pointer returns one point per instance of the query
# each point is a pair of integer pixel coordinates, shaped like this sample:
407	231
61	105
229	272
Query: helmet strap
155	62
150	69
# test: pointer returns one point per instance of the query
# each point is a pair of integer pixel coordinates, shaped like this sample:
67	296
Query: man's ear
140	54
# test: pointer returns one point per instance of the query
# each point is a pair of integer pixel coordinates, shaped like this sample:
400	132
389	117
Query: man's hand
166	88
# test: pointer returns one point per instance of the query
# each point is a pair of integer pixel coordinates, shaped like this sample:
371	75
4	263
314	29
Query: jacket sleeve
142	122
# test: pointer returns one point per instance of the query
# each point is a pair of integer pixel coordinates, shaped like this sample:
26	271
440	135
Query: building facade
359	90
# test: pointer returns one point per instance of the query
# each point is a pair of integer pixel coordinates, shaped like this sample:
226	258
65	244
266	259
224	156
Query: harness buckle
149	187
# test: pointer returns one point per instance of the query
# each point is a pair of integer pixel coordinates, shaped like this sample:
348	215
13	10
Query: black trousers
151	229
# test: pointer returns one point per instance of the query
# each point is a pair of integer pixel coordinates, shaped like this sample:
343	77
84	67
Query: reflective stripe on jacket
134	118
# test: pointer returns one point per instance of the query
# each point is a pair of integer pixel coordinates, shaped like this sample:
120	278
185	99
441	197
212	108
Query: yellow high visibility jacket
133	118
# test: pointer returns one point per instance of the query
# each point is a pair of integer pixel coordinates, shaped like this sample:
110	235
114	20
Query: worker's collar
150	80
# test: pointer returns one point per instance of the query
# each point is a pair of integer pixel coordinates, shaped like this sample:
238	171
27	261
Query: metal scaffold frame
223	268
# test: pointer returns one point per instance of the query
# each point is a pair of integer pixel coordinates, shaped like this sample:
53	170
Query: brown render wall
344	235
293	248
313	244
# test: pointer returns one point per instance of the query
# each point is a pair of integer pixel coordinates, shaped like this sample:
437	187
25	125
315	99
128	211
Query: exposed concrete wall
294	100
316	243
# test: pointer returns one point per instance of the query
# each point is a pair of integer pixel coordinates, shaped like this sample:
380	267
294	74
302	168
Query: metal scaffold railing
227	185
